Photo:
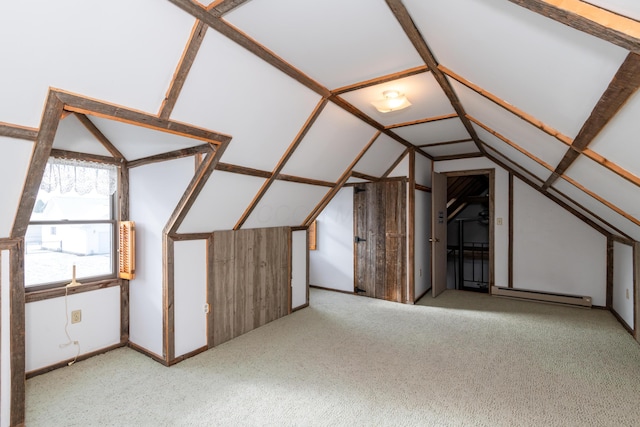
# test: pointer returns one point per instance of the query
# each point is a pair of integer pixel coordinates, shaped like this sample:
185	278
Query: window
73	223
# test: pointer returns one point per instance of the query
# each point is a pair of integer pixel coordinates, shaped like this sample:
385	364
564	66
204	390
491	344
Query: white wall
5	334
190	295
154	191
553	250
45	326
623	289
331	265
14	162
501	210
298	268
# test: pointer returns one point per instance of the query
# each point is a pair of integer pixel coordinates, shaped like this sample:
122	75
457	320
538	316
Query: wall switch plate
76	316
206	308
627	293
499	221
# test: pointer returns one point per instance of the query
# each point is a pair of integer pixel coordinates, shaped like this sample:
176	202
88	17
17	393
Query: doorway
465	261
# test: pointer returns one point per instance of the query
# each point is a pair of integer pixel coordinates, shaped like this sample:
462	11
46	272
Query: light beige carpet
462	359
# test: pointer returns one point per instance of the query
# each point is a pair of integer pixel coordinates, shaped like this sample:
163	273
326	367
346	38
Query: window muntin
73	223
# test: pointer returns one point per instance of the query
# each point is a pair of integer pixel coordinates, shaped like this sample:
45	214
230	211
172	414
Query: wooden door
438	234
380	240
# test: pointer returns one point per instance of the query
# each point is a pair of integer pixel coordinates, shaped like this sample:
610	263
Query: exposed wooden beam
601	200
411	229
601	23
371	178
283	161
457	156
226	167
342	103
97	134
423	188
196	185
225	6
75	155
621	172
553	198
511	108
17	334
341	182
623	85
421	121
212	19
457	141
19	132
511	143
182	71
92	107
303	180
44	141
610	262
383	79
171	155
402	15
395	164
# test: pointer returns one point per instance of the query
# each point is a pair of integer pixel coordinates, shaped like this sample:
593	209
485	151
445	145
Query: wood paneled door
380	241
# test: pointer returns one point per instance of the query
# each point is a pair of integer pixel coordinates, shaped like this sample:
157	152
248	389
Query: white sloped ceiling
119	51
379	157
72	135
16	154
549	70
335	42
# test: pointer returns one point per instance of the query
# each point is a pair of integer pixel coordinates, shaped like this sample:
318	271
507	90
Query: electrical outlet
76	316
499	221
206	307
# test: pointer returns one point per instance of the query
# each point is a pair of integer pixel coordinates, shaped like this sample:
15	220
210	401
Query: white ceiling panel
14	163
285	204
380	156
617	141
422	90
527	136
74	136
514	167
606	184
433	132
232	91
507	151
120	51
136	142
332	143
598	208
452	149
332	41
551	71
628	8
221	202
353	180
582	210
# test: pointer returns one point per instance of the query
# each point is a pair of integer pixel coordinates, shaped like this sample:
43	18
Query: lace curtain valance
82	177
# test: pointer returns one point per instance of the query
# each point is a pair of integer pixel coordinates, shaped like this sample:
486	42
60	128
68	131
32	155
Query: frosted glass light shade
392	101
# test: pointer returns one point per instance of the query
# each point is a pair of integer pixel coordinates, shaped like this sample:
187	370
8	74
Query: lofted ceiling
544	88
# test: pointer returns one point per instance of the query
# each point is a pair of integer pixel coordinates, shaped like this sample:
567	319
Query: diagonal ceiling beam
601	23
623	85
225	6
97	134
213	19
283	161
184	66
402	15
383	79
19	132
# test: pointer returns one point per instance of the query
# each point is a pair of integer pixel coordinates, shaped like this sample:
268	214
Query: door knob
434	240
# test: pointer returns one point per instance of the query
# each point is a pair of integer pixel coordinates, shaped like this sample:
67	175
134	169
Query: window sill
39	295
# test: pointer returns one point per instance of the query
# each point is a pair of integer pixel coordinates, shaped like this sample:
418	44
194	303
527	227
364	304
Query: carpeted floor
461	359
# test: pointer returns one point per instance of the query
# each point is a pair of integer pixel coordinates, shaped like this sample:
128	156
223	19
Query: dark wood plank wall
380	219
250	280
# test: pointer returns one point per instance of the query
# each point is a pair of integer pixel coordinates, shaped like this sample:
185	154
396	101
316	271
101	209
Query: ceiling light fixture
393	100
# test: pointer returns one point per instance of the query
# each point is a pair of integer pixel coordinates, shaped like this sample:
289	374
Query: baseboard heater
540	296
